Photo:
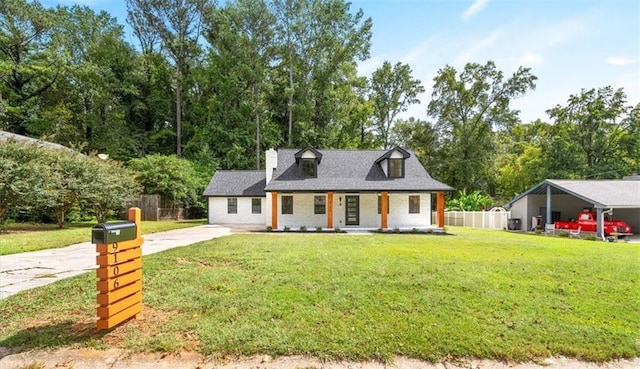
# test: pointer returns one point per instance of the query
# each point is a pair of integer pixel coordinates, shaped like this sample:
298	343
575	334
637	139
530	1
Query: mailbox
107	233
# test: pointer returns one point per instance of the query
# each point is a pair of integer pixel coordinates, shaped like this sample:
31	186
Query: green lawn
481	294
21	237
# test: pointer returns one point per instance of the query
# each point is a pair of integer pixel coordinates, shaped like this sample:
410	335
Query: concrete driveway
20	272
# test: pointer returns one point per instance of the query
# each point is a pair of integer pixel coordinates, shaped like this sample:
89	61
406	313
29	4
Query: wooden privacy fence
496	218
151	207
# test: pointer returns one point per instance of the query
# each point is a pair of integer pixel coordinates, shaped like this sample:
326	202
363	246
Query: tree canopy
218	83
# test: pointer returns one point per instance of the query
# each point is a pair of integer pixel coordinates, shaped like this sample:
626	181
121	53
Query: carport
554	200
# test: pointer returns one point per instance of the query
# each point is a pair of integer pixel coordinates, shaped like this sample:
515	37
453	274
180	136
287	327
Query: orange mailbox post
119	247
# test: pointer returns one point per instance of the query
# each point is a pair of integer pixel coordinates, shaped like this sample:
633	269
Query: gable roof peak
298	155
387	155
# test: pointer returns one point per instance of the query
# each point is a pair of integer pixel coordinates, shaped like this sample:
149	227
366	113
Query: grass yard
25	237
481	294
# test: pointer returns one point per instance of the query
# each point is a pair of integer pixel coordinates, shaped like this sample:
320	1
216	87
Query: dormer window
396	168
309	168
307	161
393	162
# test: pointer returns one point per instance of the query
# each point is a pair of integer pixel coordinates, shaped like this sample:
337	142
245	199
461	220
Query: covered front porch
357	210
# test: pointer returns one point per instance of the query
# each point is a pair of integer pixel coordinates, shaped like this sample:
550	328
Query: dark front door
352	210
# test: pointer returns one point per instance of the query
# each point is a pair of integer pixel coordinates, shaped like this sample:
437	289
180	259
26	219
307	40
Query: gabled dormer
392	162
307	161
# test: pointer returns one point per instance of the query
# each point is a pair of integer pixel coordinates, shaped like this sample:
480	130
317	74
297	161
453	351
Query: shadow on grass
50	336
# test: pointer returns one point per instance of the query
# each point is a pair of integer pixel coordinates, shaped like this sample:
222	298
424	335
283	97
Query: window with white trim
287	204
319	204
256	206
414	204
232	205
396	168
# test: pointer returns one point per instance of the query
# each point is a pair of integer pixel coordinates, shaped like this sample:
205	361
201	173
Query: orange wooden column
274	210
384	209
440	209
330	209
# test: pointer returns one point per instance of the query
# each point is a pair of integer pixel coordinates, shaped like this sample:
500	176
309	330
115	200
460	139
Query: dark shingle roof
600	193
236	183
351	170
8	137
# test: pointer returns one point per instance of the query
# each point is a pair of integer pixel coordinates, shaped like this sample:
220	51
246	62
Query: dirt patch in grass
122	359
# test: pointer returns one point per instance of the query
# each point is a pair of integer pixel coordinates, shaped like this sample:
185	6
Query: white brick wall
218	211
399	211
303	207
303	215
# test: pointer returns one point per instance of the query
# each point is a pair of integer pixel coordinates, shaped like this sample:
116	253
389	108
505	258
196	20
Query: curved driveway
19	272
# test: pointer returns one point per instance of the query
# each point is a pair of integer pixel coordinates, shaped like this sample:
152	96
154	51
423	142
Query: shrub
563	234
286	229
337	230
590	237
379	230
396	230
303	228
414	230
269	228
174	179
318	229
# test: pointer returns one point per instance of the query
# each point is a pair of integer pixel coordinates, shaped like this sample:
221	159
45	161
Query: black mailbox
106	233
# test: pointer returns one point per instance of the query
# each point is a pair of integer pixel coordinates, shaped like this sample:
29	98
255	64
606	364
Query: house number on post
119	248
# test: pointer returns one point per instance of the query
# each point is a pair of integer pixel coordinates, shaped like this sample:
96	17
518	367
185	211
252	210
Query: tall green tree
420	137
178	26
31	60
319	42
393	90
524	157
597	121
87	107
242	39
468	107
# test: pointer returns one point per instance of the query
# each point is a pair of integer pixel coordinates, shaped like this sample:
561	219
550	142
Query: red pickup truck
586	221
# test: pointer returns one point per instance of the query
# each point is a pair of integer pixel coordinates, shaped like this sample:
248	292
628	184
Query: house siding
218	211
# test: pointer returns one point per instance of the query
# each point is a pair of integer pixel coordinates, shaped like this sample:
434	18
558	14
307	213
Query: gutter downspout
600	223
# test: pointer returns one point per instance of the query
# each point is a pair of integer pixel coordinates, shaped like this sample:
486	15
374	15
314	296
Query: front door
352	210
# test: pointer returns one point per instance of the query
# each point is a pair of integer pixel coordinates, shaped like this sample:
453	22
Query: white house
328	189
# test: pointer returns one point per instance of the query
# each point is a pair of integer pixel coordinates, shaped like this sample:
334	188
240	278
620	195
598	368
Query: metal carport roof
603	194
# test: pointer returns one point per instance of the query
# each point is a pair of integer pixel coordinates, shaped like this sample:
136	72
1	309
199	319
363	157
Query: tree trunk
257	107
60	216
290	103
179	119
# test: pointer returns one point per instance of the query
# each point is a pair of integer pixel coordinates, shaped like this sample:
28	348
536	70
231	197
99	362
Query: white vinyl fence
496	218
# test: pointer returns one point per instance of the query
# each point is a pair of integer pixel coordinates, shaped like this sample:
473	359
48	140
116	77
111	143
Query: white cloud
471	11
620	61
564	31
529	58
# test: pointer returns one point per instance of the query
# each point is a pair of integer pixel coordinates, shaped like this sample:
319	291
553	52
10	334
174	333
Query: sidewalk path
19	272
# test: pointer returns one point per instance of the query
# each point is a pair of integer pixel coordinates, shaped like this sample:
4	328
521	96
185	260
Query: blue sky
568	44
